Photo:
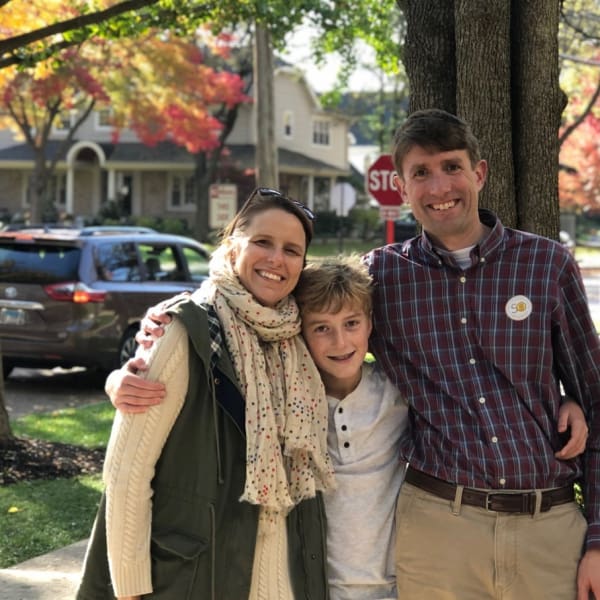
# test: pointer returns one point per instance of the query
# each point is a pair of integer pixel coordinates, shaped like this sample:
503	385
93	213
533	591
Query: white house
158	181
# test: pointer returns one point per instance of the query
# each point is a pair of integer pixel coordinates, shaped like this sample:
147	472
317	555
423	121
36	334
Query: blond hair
333	283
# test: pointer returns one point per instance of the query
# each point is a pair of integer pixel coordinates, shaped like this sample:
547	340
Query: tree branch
19	41
571	128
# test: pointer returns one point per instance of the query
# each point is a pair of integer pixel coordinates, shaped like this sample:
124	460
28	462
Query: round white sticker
518	308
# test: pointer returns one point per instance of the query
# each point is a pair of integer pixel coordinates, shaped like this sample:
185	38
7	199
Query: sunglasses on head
276	193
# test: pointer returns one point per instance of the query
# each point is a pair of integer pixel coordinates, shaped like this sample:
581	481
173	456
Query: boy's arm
570	416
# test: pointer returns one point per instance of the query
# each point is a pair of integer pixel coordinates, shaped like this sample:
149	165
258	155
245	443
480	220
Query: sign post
380	184
223	204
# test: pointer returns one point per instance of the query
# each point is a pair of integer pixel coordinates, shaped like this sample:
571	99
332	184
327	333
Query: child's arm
571	416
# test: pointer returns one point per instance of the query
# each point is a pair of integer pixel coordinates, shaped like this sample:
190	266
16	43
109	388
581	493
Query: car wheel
128	346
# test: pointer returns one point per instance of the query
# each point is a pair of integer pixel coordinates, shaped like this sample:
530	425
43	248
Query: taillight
72	291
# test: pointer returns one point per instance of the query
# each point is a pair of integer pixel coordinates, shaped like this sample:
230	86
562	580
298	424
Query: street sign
389	213
380	181
223	204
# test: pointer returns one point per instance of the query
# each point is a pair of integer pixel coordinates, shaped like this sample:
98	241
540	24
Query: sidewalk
53	576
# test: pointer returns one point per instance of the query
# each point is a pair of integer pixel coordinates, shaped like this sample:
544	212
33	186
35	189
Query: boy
367	417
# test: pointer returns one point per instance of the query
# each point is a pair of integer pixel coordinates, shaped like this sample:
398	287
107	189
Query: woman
214	493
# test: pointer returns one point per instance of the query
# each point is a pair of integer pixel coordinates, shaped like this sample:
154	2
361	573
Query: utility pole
267	168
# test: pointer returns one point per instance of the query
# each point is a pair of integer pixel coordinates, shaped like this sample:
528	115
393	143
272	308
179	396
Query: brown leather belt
511	502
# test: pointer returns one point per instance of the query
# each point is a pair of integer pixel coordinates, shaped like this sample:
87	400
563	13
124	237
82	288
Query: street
44	390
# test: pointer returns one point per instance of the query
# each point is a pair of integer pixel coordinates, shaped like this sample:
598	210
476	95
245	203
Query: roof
167	153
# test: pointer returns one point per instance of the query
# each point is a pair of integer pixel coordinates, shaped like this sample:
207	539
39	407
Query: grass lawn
40	516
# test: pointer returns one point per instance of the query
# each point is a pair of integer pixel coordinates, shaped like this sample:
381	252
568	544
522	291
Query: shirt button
494	439
502	481
463	320
340	410
346	444
217	381
344	427
463	279
472	361
482	259
482	400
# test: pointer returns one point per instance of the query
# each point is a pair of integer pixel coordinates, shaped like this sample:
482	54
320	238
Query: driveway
45	390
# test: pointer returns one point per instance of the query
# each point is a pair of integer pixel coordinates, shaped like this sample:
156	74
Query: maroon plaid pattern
485	388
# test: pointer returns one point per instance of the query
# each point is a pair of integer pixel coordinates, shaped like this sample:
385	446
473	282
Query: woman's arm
135	445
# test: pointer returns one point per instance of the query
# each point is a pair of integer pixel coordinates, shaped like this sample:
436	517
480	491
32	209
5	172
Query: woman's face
269	255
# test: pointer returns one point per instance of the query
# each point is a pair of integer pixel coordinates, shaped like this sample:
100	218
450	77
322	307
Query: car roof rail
114	230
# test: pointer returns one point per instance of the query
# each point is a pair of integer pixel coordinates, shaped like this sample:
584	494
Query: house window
183	192
288	124
103	118
321	132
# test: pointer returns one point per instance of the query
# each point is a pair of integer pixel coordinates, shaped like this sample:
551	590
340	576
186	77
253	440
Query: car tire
128	345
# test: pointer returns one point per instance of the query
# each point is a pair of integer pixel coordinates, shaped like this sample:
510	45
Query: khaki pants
478	554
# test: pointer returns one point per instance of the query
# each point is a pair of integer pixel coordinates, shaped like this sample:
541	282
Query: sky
321	78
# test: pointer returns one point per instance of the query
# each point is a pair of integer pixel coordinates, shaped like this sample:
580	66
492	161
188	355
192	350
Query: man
479	326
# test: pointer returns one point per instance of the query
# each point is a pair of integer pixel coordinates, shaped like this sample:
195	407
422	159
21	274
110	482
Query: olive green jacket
203	537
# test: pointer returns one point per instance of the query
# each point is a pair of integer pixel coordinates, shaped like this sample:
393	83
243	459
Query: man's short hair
434	130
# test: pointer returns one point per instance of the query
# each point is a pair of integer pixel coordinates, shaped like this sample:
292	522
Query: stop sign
380	183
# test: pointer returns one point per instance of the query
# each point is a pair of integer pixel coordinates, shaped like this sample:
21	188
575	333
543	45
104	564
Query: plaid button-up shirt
480	355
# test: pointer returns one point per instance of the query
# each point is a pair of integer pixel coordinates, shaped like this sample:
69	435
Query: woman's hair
262	199
434	130
334	283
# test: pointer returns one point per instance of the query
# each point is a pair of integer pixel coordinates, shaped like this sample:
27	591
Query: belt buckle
527	502
488	500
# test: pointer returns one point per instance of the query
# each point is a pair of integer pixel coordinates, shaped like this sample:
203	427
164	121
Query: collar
481	252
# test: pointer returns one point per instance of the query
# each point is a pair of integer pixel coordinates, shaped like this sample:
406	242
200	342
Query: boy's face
338	343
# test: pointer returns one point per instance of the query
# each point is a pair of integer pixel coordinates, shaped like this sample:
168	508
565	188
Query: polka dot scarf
286	409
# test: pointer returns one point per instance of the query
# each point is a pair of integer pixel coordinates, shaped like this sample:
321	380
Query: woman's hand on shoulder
129	392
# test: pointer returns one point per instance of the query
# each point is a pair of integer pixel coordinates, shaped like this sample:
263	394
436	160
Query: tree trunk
495	63
267	170
202	183
539	103
484	94
5	430
429	54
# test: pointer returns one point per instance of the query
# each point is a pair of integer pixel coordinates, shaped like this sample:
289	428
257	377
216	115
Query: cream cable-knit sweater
135	444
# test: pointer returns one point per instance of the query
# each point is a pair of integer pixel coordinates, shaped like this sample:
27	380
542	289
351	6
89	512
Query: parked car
75	297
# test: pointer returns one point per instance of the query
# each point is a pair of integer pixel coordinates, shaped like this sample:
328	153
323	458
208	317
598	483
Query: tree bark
5	430
495	63
429	54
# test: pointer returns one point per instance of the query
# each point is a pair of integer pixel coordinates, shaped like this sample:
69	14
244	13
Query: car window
39	263
162	262
197	263
117	261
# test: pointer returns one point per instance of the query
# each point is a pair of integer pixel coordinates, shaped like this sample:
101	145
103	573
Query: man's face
442	189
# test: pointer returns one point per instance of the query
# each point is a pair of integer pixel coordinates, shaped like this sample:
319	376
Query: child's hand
570	416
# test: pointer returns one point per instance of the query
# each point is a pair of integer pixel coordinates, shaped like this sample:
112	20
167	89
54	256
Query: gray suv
75	297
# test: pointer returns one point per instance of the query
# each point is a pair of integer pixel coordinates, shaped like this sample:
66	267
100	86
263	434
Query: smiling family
255	455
